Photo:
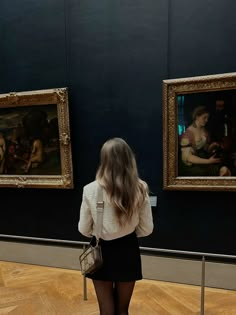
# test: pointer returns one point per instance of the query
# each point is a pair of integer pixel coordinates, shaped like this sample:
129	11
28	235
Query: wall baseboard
185	271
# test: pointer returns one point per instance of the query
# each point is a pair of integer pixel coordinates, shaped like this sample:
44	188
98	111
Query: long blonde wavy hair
118	175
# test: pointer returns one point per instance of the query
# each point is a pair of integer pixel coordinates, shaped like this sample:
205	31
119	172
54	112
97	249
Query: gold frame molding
171	89
31	99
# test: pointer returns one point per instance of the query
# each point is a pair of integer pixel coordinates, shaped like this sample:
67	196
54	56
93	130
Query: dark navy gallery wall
2	54
113	56
201	37
201	42
34	48
114	70
34	44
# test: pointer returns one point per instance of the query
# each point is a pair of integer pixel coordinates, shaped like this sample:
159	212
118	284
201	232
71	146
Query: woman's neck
197	126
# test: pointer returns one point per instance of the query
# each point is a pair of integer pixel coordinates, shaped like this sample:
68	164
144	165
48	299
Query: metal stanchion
203	286
85	282
85	289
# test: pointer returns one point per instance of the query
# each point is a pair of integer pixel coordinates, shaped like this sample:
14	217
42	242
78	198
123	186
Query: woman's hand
214	160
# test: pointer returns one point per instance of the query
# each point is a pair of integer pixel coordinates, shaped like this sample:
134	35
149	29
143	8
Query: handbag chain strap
100	208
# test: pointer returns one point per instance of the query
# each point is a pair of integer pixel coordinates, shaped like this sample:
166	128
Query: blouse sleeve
145	225
85	225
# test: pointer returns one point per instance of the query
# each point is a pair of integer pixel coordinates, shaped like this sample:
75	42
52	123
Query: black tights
113	297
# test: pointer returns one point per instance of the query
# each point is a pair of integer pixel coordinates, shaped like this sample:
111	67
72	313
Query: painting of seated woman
199	156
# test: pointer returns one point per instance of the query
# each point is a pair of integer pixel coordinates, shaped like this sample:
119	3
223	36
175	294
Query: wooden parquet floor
38	290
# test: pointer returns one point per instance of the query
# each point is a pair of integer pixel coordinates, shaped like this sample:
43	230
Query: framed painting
199	133
35	146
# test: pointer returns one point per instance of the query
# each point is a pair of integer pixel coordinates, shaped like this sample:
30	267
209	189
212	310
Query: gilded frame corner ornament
199	86
35	143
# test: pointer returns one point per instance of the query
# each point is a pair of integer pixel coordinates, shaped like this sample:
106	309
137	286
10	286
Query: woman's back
141	220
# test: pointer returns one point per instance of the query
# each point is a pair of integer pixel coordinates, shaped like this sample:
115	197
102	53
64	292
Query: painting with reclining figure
35	139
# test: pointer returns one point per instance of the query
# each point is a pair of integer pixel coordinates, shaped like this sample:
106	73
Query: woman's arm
198	160
145	225
85	225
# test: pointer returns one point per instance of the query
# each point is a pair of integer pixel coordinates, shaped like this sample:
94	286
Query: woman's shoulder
92	186
189	131
187	136
91	190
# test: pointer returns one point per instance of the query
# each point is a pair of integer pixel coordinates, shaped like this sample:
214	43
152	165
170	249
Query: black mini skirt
121	260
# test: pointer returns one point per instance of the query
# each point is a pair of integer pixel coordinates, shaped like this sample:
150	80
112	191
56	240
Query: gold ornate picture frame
35	145
182	98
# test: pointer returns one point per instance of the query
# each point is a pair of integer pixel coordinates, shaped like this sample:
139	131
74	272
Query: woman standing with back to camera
127	215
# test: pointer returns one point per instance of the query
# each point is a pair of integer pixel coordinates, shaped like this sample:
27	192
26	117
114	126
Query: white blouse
141	222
